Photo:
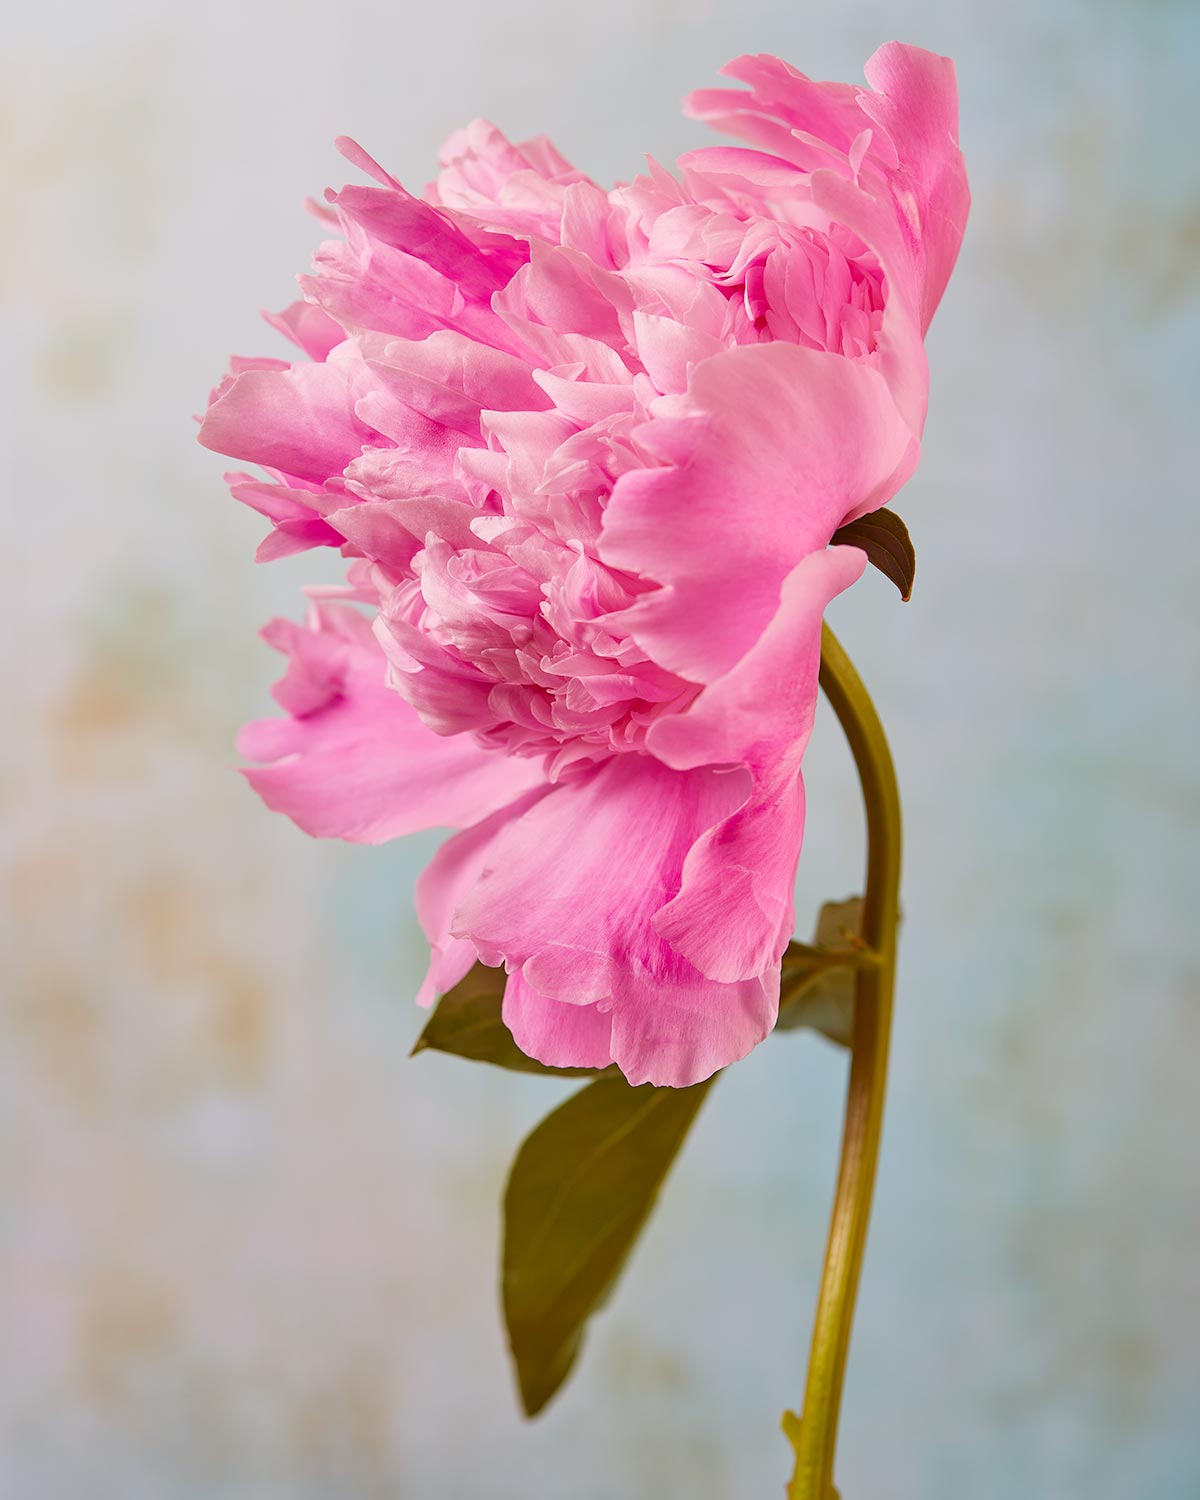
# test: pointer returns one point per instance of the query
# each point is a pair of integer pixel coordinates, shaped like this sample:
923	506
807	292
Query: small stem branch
815	1438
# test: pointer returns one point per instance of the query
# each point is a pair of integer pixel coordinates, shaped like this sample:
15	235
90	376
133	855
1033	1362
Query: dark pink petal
395	218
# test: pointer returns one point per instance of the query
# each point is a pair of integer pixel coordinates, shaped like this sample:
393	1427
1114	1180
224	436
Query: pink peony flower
587	450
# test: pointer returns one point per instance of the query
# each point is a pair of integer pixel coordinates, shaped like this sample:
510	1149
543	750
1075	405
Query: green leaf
884	537
580	1190
817	988
467	1023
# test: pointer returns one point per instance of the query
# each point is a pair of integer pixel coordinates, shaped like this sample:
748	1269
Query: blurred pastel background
247	1248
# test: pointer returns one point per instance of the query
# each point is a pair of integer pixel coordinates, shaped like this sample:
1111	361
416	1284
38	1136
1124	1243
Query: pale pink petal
450	379
444	883
291	512
518	188
309	328
554	1032
393	531
682	1032
354	761
781	101
670	350
299	420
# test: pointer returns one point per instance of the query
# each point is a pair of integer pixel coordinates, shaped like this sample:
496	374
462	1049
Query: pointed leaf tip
581	1189
884	537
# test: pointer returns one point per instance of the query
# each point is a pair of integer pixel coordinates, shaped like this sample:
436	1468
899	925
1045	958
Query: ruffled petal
292	513
683	1032
784	111
915	100
308	328
300	420
444	882
568	898
777	445
354	761
733	915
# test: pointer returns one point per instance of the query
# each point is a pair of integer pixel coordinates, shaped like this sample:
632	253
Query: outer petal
300	420
568	898
783	443
916	103
354	761
450	379
781	101
444	882
308	328
553	1032
733	914
394	217
905	127
683	1032
292	514
884	162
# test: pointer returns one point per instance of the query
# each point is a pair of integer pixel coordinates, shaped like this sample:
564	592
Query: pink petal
916	102
290	511
569	895
733	915
553	1032
782	445
444	882
393	531
309	328
397	219
300	420
355	761
450	378
685	1031
831	112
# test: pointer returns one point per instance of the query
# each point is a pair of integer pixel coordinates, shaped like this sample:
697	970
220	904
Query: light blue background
248	1248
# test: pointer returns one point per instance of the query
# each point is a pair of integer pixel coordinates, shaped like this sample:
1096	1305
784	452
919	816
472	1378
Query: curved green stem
815	1436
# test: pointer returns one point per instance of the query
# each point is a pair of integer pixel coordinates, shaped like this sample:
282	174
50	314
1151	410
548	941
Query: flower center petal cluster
585	451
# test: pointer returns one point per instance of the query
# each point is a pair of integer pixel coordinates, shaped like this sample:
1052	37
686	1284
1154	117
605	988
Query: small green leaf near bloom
817	988
467	1022
884	537
580	1190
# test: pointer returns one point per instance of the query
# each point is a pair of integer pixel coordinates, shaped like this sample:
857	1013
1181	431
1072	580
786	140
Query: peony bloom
586	451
